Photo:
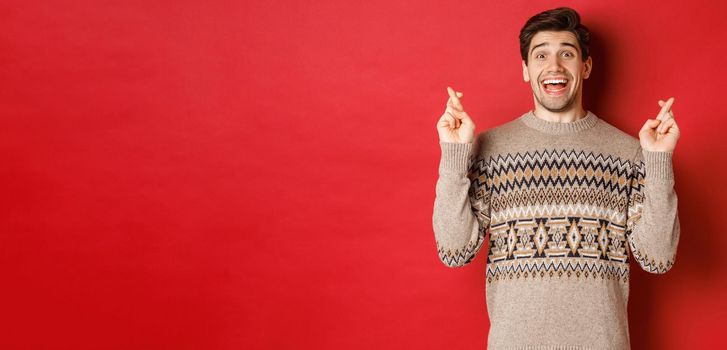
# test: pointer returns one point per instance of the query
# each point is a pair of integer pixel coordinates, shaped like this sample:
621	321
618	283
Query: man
566	198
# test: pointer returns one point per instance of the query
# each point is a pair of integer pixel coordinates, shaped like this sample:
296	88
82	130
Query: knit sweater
567	206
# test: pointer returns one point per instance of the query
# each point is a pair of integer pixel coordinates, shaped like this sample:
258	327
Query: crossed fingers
454	99
665	115
454	106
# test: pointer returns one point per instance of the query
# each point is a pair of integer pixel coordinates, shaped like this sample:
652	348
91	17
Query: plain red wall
260	175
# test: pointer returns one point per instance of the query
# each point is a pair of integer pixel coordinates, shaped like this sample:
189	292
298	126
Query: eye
568	54
539	55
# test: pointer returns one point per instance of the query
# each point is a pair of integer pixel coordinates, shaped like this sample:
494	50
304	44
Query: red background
260	175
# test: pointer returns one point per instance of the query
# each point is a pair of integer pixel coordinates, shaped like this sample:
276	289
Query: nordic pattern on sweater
556	210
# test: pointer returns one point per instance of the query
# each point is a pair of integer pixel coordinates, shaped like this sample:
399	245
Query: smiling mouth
555	86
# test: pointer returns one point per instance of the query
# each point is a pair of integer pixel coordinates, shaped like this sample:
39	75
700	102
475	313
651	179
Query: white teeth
554	81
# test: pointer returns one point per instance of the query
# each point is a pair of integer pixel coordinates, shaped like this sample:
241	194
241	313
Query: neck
575	113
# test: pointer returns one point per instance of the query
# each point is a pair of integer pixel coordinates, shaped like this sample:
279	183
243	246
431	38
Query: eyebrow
547	44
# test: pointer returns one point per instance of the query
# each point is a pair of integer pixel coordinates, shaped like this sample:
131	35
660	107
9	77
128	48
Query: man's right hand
455	125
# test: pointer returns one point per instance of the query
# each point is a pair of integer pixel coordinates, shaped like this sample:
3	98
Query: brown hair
557	19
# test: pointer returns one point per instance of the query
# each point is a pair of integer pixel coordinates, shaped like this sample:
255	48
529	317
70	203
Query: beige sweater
567	205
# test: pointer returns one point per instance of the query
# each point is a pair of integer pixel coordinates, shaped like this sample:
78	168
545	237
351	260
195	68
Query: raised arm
461	206
652	226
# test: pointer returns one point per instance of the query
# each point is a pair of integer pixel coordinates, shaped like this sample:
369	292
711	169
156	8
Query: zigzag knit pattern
590	191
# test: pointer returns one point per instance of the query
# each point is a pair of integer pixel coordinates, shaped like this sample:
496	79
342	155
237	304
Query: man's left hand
660	134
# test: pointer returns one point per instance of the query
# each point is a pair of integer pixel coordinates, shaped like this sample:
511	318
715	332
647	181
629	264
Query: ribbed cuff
658	165
455	157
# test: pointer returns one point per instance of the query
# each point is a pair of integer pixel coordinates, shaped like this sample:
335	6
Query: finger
444	120
674	129
649	125
663	126
667	126
459	94
452	120
451	104
668	115
665	108
454	113
661	129
458	103
450	101
455	100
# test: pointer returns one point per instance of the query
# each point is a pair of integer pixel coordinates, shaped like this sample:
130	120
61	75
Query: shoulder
499	131
617	134
617	138
487	141
502	137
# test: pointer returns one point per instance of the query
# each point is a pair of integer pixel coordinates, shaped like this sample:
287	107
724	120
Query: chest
544	182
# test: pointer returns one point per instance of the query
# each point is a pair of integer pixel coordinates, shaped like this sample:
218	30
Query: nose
554	64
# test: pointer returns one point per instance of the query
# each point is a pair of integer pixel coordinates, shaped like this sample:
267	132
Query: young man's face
556	55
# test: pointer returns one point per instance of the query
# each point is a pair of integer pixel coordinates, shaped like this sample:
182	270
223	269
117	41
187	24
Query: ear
588	67
526	76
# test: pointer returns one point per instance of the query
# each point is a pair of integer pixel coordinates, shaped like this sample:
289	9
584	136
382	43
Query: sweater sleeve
652	225
461	206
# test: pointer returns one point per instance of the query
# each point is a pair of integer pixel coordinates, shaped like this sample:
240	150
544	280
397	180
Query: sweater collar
558	128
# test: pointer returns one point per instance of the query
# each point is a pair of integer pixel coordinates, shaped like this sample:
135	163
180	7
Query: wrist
658	164
455	157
